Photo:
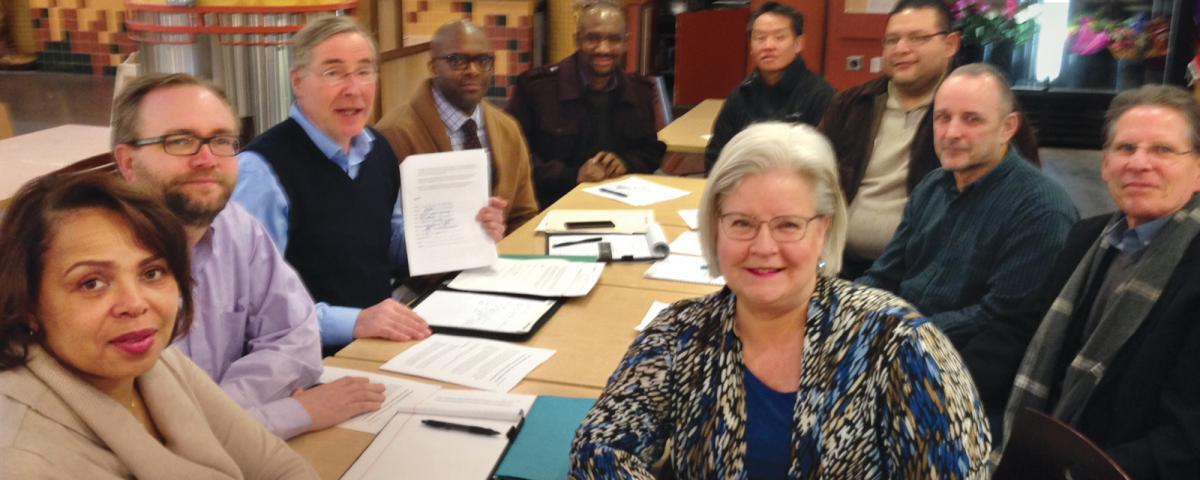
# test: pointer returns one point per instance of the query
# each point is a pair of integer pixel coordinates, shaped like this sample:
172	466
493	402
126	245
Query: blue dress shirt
259	191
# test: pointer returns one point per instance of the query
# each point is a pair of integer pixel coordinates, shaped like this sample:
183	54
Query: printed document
482	311
400	395
409	448
683	268
483	364
636	191
647	246
687	243
442	193
549	277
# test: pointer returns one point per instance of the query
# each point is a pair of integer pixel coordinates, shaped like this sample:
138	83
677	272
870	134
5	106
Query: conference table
589	334
28	156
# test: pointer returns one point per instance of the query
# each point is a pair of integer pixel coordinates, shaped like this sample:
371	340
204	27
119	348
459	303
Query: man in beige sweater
448	113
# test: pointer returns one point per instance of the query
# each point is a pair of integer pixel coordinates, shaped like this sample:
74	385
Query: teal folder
543	447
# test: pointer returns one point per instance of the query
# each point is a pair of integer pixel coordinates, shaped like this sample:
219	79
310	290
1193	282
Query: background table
690	132
25	157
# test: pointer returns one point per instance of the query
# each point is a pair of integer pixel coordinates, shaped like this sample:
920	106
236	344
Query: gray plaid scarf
1127	310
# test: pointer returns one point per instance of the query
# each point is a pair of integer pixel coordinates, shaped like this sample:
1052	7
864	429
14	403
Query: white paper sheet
442	193
484	364
409	449
652	244
691	218
482	311
683	268
550	277
624	221
687	243
401	395
655	308
636	191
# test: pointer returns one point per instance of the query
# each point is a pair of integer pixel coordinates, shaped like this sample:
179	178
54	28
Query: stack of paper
636	191
683	268
547	277
483	364
611	247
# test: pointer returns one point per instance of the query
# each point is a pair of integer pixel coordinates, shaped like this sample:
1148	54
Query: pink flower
1010	8
1088	41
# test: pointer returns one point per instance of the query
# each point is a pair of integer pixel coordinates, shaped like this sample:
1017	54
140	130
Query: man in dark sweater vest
780	88
328	191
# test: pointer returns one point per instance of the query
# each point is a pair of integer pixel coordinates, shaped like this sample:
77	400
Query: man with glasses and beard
586	119
255	330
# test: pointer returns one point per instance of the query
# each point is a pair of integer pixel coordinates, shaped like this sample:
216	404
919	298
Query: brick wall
80	36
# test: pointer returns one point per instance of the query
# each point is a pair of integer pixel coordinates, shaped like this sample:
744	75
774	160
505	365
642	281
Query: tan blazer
416	128
53	425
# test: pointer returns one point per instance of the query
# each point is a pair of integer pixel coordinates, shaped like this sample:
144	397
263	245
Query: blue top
259	191
1130	241
967	258
768	429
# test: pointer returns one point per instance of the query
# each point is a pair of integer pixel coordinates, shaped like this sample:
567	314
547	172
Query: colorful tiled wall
80	36
508	23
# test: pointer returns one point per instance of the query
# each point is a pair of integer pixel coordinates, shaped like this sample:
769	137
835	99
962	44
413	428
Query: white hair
777	146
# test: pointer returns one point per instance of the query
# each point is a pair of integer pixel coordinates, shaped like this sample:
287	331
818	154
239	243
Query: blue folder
543	446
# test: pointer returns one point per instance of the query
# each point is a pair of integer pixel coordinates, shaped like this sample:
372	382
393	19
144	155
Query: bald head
600	12
449	36
461	64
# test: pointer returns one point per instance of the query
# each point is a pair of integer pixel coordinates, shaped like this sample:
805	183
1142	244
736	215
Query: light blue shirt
259	191
453	119
1130	241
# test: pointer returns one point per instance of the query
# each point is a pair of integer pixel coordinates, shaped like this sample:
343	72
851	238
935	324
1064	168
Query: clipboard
612	247
521	334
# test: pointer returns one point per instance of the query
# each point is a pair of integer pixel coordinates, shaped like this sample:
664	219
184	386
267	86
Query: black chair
1044	448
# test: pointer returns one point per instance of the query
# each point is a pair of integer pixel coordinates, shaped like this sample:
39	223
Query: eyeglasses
339	76
184	144
786	228
913	40
594	39
460	61
1156	151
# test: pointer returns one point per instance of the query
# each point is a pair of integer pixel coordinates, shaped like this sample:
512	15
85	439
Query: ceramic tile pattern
80	36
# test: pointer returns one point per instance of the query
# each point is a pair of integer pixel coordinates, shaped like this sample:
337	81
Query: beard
195	212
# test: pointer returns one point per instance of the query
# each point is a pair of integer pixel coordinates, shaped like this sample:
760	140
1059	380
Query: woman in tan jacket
94	286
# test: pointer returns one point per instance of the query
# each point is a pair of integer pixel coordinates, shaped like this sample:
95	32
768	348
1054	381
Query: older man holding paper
327	191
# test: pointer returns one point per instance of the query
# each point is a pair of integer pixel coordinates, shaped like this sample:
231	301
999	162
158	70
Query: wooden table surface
690	132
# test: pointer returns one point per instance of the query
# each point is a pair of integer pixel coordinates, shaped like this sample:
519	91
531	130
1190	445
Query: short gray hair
317	31
975	70
770	146
1166	96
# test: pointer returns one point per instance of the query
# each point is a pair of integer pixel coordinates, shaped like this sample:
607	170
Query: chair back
1045	448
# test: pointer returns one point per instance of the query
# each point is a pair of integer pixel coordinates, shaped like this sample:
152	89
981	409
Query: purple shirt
255	330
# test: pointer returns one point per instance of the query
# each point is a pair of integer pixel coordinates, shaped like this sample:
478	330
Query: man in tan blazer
448	113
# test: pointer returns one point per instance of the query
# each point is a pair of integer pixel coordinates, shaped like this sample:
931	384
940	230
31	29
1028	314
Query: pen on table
613	192
578	242
459	427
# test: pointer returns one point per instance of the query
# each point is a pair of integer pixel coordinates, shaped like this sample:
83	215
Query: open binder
488	315
611	247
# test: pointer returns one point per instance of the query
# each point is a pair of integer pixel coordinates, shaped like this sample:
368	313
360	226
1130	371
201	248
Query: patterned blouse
882	394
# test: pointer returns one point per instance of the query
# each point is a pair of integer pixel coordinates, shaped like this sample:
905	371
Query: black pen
613	192
579	242
459	427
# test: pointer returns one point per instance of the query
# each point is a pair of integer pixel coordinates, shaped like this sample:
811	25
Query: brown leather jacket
860	107
549	104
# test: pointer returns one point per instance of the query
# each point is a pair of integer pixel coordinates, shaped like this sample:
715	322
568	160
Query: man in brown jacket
881	164
587	120
448	113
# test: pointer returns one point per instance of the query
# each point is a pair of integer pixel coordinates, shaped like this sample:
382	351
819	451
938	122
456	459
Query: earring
820	265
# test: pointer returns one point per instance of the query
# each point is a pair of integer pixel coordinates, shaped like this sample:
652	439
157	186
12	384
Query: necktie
470	132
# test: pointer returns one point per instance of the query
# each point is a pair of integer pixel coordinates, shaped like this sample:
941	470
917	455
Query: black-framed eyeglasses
784	228
460	61
184	144
1157	151
592	39
914	40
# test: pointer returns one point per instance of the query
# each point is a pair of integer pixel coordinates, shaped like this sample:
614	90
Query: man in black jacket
780	88
586	119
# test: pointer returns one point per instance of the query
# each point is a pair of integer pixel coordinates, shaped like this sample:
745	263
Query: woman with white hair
788	372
